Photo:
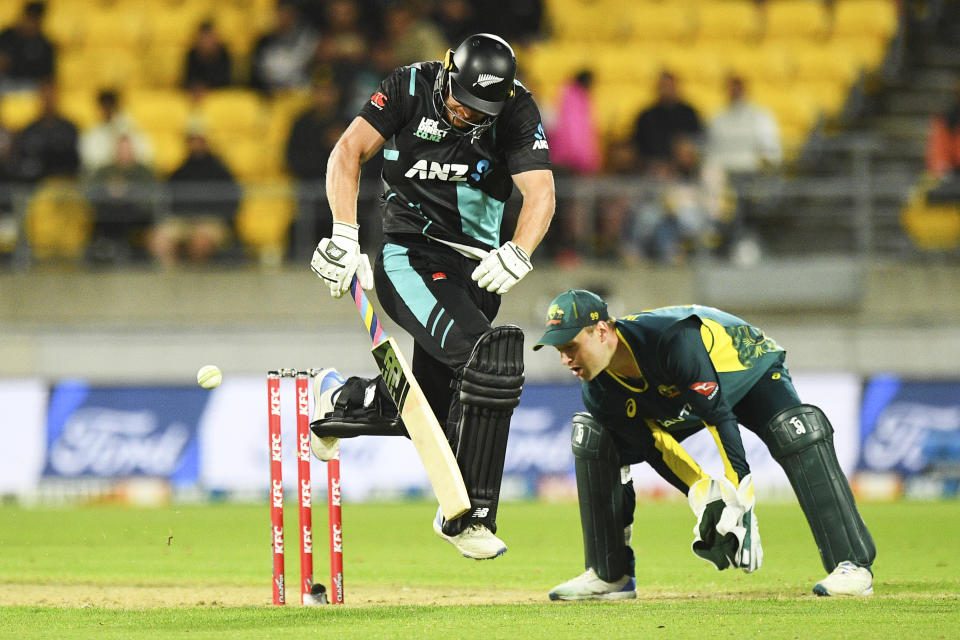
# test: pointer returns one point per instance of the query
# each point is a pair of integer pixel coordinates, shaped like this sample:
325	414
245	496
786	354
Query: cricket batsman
653	378
457	136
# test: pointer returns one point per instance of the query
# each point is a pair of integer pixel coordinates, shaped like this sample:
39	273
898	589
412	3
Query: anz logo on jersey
424	170
430	130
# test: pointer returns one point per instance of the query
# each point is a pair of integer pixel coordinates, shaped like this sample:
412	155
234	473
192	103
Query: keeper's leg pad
488	389
801	440
362	408
601	496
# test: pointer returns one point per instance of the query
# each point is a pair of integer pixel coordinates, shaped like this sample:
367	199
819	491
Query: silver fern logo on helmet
487	79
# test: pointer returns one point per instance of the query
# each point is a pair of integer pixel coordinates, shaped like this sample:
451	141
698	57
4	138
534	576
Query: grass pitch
204	572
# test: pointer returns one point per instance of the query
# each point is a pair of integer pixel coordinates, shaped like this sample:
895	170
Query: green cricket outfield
203	571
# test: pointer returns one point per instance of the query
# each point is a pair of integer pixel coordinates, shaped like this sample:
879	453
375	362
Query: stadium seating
59	221
799	58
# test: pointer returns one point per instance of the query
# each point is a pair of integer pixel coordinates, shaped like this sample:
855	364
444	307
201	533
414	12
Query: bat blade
424	430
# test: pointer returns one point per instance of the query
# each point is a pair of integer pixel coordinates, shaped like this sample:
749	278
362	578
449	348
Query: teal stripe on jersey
480	214
407	282
443	340
413	78
390	154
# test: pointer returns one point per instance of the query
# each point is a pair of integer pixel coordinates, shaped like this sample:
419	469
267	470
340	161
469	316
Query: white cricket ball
209	376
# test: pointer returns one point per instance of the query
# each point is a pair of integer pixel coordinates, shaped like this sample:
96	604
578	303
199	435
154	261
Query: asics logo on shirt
424	170
487	79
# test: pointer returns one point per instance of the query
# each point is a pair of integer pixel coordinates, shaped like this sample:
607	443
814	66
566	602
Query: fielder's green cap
570	312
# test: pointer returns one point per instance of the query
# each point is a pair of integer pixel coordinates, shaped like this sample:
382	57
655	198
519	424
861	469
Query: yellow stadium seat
232	111
64	23
118	26
868	51
819	62
767	63
247	157
619	63
165	110
830	95
264	218
657	21
736	20
169	150
10	12
794	108
865	18
617	106
58	221
80	107
175	22
707	99
794	19
546	66
99	67
164	65
18	109
586	20
695	64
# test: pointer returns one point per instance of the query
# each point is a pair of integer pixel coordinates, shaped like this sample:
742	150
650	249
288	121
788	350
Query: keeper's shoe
476	541
589	586
846	580
326	385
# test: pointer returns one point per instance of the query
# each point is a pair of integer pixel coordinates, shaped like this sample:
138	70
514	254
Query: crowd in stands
686	167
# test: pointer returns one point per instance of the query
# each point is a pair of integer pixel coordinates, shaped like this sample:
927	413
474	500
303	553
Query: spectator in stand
282	58
744	138
312	138
98	144
124	195
411	33
203	200
377	65
574	153
943	152
457	19
743	141
343	44
26	55
659	125
7	177
682	218
48	146
208	64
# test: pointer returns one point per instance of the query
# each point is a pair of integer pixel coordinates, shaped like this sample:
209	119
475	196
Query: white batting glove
502	269
337	259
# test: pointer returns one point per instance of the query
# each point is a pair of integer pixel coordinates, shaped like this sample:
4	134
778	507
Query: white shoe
325	386
846	580
589	586
476	541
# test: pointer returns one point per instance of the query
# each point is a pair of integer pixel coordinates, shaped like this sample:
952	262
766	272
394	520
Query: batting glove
502	269
337	259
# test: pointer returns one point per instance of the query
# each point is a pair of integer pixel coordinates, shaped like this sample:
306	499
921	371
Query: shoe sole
437	530
821	590
617	595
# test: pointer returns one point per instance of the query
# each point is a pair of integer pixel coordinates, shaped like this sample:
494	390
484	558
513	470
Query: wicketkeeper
457	135
651	379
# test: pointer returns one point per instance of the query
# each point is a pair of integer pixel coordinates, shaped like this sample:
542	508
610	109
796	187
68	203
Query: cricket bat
425	432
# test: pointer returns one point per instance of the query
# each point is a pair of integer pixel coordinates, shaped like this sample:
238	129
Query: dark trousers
425	287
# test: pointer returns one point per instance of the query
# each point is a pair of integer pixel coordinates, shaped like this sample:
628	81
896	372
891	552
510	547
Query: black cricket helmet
480	73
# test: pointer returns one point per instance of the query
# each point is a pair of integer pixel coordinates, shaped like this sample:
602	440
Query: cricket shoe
325	386
589	586
846	580
476	541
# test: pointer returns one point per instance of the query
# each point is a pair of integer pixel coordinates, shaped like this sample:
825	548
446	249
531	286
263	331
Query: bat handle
367	314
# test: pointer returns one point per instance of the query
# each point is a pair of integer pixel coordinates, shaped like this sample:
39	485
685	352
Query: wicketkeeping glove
750	554
337	259
503	268
718	531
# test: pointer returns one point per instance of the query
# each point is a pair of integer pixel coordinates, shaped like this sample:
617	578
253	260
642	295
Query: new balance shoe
846	580
326	386
476	541
589	586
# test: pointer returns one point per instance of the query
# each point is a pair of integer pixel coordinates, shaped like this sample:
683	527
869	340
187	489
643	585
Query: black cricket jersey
439	182
696	364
